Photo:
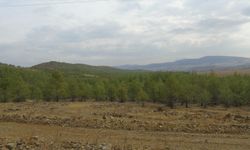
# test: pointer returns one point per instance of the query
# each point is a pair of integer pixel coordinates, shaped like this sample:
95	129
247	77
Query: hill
79	69
201	64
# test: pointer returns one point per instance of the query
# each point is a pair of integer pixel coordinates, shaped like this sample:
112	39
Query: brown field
103	125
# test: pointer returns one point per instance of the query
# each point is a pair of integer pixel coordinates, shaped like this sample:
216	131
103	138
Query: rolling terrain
77	106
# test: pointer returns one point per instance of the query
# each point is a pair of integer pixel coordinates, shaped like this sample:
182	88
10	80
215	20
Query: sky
118	32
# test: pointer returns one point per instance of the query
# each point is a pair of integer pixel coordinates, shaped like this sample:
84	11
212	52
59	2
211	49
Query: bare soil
104	125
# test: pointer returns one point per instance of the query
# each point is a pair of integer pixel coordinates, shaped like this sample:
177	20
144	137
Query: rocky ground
36	143
102	125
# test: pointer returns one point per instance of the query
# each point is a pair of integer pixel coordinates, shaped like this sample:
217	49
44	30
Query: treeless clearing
123	126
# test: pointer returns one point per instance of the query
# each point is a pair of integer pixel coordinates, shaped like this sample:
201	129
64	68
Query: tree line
21	84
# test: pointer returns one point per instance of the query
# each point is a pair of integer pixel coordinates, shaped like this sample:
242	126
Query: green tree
204	97
112	92
85	91
142	96
20	91
186	94
73	89
122	93
35	93
225	95
57	85
4	86
172	91
213	88
99	91
134	88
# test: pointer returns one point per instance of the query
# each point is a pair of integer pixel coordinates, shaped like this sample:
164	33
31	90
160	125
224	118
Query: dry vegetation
105	125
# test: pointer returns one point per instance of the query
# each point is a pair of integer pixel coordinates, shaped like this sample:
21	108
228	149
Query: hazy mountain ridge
208	63
201	64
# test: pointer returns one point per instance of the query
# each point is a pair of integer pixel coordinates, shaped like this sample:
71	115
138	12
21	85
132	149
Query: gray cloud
119	32
246	11
221	24
212	26
51	34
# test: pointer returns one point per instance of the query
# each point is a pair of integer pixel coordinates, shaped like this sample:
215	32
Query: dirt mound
119	122
127	117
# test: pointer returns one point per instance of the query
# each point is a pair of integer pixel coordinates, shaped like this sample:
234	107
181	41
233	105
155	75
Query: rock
20	142
167	148
34	138
130	116
227	116
15	109
10	146
71	145
104	147
159	109
239	118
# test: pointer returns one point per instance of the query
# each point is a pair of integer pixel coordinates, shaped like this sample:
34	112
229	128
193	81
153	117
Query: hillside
79	69
201	64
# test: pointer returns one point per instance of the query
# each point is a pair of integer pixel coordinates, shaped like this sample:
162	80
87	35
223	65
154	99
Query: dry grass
126	126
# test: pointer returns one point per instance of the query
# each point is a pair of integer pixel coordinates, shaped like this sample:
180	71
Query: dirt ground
116	126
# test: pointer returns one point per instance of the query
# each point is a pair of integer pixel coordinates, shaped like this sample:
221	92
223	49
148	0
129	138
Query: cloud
120	32
51	34
221	24
246	11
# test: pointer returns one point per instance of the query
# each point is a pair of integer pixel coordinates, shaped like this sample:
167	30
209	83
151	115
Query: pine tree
122	93
58	85
141	96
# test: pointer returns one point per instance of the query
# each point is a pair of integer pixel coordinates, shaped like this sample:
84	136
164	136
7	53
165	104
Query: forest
19	84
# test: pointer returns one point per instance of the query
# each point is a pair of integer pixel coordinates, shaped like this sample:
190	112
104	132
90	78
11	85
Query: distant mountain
78	68
222	64
201	64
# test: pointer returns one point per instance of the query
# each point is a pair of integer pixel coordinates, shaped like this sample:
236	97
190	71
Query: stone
34	138
10	146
